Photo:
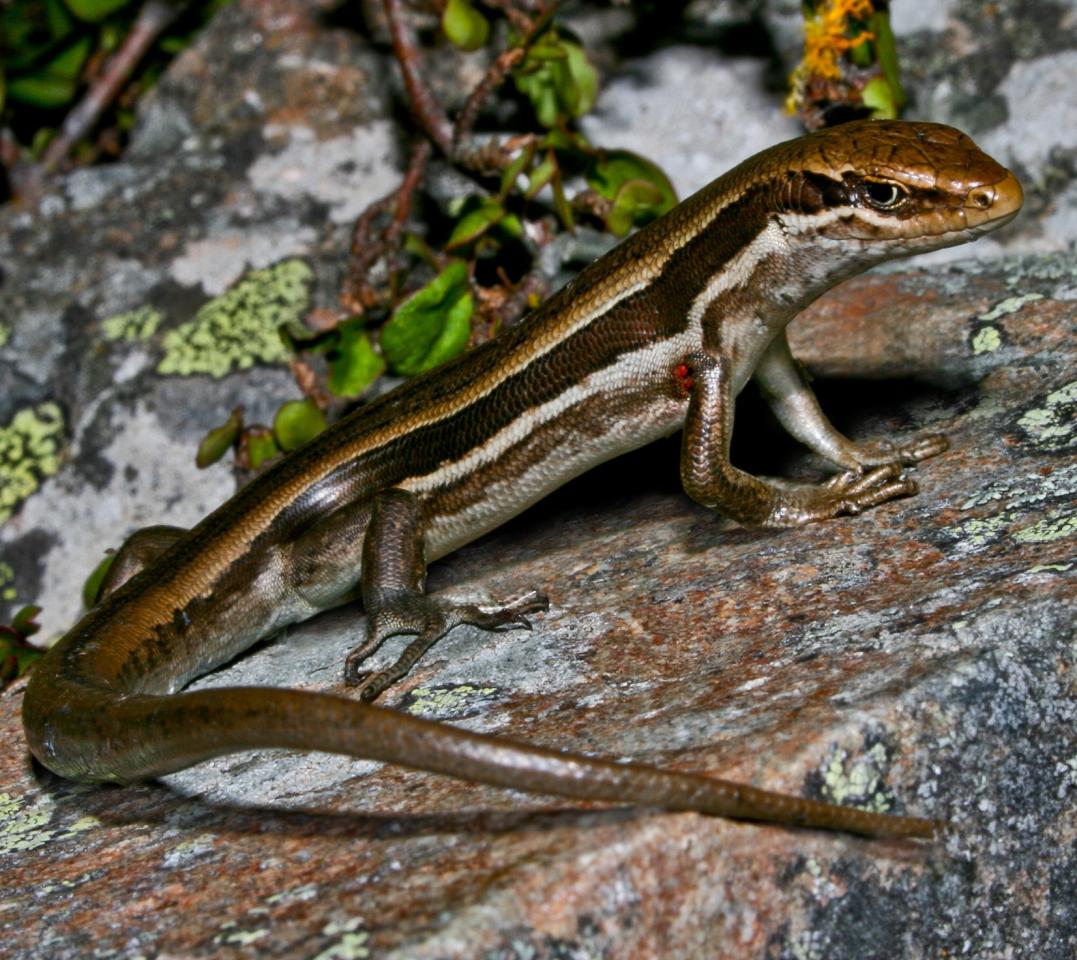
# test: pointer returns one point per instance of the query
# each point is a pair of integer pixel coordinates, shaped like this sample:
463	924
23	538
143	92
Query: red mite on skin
684	380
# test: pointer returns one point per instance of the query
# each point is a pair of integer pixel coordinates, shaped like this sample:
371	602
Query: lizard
657	336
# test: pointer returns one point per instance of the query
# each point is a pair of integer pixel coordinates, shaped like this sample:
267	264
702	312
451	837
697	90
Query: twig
494	77
424	105
366	248
510	9
152	20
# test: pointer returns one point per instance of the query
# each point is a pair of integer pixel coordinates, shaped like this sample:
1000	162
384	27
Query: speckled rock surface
919	658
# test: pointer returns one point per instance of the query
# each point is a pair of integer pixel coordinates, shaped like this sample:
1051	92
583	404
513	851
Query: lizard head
895	187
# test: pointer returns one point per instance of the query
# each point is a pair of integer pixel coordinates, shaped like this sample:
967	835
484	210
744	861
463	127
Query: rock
918	658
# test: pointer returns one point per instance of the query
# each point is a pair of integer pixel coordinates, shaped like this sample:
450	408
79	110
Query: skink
657	336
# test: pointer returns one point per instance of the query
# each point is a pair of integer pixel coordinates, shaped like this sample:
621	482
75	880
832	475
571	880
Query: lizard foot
882	452
429	618
849	493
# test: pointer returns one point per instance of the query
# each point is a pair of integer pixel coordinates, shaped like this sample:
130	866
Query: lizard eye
883	194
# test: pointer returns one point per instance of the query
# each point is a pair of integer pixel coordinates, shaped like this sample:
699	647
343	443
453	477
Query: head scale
892	187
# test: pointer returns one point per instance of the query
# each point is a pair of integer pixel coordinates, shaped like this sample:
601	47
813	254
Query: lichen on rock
29	452
134	326
239	328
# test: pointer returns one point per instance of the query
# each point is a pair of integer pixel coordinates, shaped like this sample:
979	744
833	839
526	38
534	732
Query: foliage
296	422
849	65
51	50
17	654
432	326
419	293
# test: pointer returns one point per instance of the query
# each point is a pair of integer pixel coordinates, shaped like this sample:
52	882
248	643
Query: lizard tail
106	737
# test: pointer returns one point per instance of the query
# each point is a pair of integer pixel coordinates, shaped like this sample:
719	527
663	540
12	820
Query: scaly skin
657	336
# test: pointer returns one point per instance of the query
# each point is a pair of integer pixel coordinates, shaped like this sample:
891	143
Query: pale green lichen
5	334
1017	496
353	942
240	328
29	452
1047	530
979	532
1050	568
861	785
23	827
29	826
134	326
306	892
87	822
1053	426
987	340
1009	306
443	701
196	846
7	578
241	938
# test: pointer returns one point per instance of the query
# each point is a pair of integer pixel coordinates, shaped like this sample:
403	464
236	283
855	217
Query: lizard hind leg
394	573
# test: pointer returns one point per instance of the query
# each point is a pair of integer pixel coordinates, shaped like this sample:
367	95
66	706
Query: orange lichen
826	40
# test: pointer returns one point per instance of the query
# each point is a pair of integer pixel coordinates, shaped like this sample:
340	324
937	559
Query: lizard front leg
796	407
393	576
711	479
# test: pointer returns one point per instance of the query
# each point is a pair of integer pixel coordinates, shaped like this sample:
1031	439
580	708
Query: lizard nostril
982	197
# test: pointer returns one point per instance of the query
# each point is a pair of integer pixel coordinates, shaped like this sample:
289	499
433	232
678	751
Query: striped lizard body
657	336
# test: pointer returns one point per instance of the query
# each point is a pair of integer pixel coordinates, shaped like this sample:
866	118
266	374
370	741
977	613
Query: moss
134	326
29	452
5	334
239	328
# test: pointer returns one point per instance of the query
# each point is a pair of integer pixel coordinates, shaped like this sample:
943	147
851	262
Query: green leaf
59	20
639	189
219	440
558	79
95	10
613	168
433	325
91	587
541	175
29	30
261	446
635	201
474	224
16	655
353	364
879	97
567	141
562	206
512	171
464	25
24	621
584	80
296	422
510	224
55	83
886	48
